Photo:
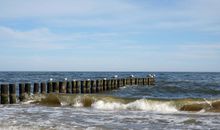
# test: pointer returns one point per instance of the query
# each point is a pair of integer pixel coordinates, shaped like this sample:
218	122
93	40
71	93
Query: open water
178	100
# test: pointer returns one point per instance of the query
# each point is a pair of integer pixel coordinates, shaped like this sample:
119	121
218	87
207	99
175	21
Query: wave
103	102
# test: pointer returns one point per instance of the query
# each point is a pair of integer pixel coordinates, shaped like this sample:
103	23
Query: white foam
28	102
78	102
142	104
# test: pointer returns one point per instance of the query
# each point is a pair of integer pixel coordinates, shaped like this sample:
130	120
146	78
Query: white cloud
44	39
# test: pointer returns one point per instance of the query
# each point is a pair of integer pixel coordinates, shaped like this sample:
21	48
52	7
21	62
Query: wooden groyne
9	94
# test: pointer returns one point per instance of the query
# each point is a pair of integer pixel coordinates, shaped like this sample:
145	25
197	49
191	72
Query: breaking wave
103	102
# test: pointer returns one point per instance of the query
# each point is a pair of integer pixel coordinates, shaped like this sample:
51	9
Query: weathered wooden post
145	81
36	88
140	82
104	84
101	85
28	88
43	88
118	83
74	86
4	93
22	92
55	87
78	86
83	86
69	87
93	86
124	82
88	86
132	81
121	82
98	86
49	87
12	93
128	81
136	81
115	84
151	81
62	87
108	84
112	84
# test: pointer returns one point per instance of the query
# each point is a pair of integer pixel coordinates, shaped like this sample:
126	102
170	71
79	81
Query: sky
110	35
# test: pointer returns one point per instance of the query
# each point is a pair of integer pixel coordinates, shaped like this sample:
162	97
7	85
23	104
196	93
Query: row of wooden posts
8	91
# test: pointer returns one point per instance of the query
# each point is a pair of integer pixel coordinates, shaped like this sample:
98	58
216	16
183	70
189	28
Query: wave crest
141	104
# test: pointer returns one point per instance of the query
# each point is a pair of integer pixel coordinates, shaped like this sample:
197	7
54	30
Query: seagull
65	79
88	79
105	78
150	75
74	80
116	76
132	76
51	79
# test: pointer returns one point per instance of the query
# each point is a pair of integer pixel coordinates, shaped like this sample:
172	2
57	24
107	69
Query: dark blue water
168	84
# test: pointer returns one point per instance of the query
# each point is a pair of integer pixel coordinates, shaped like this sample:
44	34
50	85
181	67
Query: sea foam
141	104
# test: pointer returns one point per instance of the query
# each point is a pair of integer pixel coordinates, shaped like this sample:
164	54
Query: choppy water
176	101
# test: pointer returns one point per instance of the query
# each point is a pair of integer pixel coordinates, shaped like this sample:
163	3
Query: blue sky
110	35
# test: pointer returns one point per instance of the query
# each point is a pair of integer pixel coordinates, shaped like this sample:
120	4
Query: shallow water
130	107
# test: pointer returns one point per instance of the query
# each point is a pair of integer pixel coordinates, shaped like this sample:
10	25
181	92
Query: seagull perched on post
65	79
115	76
132	76
51	79
105	78
150	75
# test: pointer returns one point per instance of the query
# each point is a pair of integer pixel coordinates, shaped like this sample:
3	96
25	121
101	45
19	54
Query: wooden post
55	87
143	79
88	86
83	86
98	86
43	88
118	83
4	93
140	81
108	84
115	84
124	82
104	84
93	86
62	87
136	81
12	93
36	88
101	85
69	87
151	81
49	87
74	86
78	86
22	92
28	88
112	84
132	81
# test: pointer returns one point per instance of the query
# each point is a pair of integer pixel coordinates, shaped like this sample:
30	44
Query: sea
177	100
